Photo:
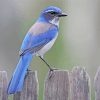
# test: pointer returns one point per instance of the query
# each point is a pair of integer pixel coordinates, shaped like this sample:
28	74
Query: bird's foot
28	70
51	72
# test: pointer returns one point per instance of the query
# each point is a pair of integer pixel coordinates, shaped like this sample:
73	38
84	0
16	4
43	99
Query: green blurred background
78	43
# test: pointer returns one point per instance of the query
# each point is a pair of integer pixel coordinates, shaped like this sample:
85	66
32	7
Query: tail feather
16	83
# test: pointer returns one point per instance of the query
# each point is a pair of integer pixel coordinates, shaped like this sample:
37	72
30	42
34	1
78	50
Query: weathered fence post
79	84
30	89
97	84
3	85
57	86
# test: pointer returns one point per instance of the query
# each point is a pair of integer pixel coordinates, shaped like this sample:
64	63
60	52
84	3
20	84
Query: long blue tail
16	83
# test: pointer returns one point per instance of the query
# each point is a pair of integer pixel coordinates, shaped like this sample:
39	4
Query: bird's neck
42	19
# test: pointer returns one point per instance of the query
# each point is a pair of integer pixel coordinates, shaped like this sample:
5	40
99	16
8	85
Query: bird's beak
62	15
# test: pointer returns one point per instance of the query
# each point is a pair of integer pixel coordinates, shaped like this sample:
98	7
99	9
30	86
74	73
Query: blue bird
38	40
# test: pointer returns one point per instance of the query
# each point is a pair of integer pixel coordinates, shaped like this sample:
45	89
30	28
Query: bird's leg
51	69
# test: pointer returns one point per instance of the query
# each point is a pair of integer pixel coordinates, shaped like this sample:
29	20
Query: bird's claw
28	70
51	70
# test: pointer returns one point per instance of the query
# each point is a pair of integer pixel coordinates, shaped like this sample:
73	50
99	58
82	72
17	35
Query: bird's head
51	14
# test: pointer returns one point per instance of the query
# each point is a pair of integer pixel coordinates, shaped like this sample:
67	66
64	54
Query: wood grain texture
57	86
30	89
3	85
97	84
79	84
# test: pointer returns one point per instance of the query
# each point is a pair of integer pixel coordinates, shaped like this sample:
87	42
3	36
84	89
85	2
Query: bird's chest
47	47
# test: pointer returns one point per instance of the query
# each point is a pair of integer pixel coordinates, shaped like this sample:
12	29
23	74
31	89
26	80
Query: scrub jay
38	40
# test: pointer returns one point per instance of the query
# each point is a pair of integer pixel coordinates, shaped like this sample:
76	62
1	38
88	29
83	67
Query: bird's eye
53	13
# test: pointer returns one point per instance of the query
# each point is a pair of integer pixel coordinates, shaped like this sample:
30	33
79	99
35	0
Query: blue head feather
52	8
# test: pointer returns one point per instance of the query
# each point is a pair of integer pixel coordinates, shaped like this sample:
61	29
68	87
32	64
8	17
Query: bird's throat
55	21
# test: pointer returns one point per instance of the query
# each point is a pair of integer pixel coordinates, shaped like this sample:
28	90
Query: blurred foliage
78	43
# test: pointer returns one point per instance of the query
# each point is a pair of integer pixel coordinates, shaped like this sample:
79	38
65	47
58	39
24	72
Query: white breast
42	51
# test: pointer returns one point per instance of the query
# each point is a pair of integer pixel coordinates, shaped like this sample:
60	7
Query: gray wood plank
3	85
97	84
57	86
79	84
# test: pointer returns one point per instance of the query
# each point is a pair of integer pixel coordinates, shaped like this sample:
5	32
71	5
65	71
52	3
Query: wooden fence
62	85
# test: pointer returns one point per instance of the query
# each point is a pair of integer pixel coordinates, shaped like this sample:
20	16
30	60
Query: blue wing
33	43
